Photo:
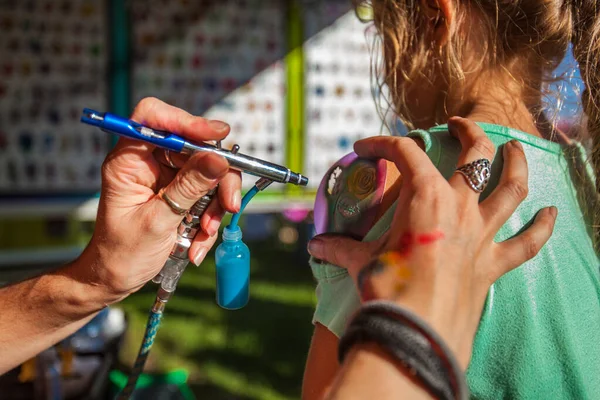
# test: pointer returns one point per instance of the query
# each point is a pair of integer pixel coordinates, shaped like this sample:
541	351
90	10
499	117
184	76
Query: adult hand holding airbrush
162	139
189	195
135	228
134	235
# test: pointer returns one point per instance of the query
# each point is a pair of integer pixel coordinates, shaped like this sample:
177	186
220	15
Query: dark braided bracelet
408	339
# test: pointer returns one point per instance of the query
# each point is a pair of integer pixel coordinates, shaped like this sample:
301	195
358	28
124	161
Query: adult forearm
369	373
37	313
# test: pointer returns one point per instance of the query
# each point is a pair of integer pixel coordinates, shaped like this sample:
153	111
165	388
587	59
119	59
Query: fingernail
199	257
236	200
213	226
315	247
515	144
508	145
553	211
218	126
452	125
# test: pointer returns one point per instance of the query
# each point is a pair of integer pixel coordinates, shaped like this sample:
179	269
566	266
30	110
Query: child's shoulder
353	194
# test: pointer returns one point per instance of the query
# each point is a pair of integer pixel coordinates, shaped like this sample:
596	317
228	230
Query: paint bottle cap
232	233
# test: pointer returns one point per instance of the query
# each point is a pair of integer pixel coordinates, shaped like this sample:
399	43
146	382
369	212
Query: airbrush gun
178	259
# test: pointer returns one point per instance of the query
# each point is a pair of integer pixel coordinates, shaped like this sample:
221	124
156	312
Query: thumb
343	251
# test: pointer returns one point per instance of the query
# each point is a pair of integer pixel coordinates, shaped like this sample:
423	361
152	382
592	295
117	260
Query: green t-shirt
539	334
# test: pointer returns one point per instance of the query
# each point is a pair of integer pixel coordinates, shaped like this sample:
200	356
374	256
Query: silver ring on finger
477	174
172	204
169	160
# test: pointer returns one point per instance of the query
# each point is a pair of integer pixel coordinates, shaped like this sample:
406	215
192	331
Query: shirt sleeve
337	297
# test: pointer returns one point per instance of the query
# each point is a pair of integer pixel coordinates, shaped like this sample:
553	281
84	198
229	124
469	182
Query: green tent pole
294	63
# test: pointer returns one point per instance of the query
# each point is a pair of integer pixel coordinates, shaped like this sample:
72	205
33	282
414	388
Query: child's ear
440	13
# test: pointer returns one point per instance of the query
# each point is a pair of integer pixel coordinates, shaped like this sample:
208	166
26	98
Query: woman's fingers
475	146
516	251
475	143
212	217
170	159
200	246
344	252
160	115
200	174
229	191
511	190
226	198
411	160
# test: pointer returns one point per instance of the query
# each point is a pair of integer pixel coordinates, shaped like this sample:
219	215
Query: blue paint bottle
233	270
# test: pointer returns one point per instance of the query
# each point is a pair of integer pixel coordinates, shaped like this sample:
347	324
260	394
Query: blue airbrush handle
124	127
255	166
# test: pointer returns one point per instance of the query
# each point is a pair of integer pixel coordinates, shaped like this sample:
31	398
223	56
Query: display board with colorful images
52	63
226	60
219	59
340	101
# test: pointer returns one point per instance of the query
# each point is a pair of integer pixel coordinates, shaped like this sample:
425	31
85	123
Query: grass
257	352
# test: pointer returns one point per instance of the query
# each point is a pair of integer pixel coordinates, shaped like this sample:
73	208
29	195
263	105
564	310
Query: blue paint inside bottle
233	270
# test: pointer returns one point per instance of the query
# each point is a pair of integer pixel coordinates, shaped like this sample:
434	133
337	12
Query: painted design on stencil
362	181
353	196
333	181
348	196
348	207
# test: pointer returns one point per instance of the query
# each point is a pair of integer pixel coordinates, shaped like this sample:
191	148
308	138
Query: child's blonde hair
517	34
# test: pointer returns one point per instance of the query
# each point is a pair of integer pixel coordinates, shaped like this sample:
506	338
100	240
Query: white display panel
340	108
52	65
221	60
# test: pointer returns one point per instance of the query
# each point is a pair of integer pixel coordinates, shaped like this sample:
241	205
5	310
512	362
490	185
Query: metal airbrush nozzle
298	179
248	164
